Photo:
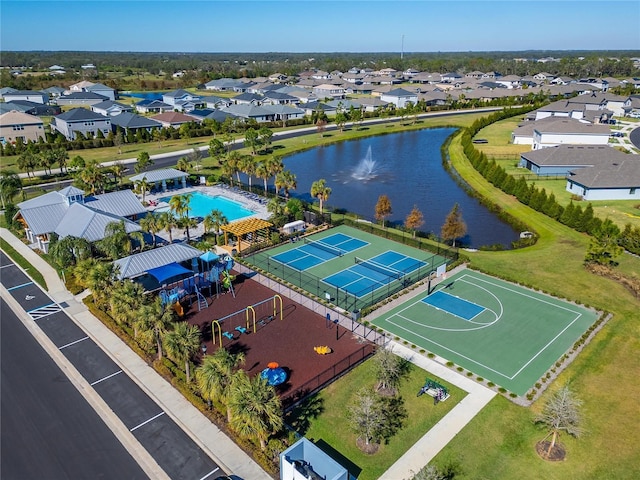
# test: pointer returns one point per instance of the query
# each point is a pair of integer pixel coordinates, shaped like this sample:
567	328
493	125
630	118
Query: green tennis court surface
499	331
348	267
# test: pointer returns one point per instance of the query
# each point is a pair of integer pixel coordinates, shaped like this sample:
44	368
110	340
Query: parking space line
105	378
146	421
19	286
72	343
210	473
43	306
8	265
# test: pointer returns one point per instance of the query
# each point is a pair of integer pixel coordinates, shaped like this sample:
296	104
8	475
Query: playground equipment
432	388
322	350
249	317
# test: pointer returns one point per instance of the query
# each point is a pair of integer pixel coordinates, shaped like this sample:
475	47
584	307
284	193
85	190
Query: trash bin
355	315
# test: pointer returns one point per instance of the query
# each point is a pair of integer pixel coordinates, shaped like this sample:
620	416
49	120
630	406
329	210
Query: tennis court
349	267
369	275
315	252
502	332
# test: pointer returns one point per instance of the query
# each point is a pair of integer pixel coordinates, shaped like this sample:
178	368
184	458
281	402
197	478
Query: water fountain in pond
367	169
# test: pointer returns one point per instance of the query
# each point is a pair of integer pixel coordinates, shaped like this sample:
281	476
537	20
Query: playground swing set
434	389
250	318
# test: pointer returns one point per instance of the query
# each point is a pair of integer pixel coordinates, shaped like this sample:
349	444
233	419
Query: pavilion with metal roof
140	263
163	176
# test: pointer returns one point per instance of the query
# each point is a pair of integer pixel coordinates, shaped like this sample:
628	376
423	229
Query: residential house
32	108
258	113
371	104
450	77
54	92
27	95
69	212
80	86
81	98
282	113
327	90
248	99
601	101
201	114
5	90
310	107
130	121
223	84
182	100
81	121
278	98
173	119
510	81
216	102
400	97
109	108
566	131
101	89
594	172
16	126
153	106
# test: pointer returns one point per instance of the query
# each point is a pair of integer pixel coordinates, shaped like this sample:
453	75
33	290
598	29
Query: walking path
201	430
222	449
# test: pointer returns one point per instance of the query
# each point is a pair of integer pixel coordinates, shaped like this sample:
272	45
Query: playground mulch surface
289	341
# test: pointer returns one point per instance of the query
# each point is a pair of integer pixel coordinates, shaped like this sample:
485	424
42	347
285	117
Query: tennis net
376	267
324	246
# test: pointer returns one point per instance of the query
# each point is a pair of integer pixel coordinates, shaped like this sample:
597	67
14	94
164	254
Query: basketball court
500	331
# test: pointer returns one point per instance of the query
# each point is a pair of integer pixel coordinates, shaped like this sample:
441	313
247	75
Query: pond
407	167
144	95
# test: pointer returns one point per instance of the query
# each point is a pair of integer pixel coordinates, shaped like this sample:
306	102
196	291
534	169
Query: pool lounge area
243	205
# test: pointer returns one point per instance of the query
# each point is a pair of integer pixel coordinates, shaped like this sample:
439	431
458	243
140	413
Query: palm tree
187	223
117	170
214	221
10	185
92	176
182	343
262	171
116	242
183	164
27	161
256	411
233	163
154	321
286	180
215	375
125	299
97	276
166	221
179	205
320	191
248	166
151	223
143	186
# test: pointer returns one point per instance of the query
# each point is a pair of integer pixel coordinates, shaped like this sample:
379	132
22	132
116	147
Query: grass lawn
604	375
20	260
322	419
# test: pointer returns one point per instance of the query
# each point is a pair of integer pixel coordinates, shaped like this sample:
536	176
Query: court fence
344	299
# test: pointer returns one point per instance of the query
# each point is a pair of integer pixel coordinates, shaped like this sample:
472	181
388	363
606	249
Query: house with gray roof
258	113
28	95
399	97
567	131
182	100
282	113
210	114
54	92
103	90
5	90
273	97
223	84
217	102
69	212
132	121
81	98
81	121
594	172
109	108
153	106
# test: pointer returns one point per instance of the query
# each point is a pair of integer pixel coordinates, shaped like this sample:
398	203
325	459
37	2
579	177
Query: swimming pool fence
349	301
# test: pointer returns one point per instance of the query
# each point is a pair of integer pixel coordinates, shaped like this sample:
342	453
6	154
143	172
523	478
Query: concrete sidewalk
204	433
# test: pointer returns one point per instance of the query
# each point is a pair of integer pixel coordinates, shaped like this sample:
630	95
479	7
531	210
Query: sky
319	26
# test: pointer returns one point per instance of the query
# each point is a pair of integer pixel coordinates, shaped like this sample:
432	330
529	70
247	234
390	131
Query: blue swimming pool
201	205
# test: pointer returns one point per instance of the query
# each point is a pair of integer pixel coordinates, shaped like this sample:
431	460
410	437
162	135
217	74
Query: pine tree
567	214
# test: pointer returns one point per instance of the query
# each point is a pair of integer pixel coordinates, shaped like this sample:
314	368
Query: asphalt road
48	429
172	449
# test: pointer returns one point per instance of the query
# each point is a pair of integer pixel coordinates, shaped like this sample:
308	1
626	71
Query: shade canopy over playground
245	227
166	272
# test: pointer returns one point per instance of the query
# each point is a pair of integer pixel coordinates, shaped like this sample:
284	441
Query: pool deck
251	201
